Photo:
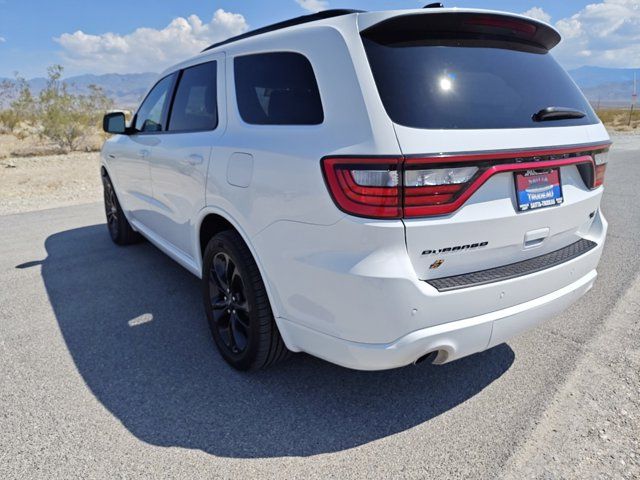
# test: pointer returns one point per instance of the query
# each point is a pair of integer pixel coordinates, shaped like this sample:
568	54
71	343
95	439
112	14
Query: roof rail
287	23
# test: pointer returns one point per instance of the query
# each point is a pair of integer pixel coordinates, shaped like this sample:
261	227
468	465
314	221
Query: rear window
469	80
277	88
195	104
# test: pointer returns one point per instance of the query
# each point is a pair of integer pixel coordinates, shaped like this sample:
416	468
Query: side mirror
115	123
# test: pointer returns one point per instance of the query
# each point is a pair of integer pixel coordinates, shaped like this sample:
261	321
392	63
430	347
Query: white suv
374	189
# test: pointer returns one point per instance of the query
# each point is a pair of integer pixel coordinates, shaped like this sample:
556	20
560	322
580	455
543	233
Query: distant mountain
607	86
126	90
594	76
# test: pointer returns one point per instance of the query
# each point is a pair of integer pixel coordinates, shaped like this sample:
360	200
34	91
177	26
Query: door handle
143	153
195	159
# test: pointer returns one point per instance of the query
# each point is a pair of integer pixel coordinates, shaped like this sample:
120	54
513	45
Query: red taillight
600	171
366	187
397	187
428	189
600	160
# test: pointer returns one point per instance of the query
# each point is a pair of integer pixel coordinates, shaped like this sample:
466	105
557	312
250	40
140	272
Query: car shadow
133	322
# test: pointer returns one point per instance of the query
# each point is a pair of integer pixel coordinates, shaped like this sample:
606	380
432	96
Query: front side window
150	114
195	104
277	88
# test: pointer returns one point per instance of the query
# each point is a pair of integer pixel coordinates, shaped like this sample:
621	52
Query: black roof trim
287	23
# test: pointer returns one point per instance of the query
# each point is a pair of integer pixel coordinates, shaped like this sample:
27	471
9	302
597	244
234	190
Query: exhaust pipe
428	357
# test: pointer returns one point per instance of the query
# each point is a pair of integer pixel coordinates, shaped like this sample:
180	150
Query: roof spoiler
450	25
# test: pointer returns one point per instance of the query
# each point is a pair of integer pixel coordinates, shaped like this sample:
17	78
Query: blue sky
89	36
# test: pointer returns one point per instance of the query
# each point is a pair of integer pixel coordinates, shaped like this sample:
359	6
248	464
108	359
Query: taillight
366	187
600	160
426	187
408	187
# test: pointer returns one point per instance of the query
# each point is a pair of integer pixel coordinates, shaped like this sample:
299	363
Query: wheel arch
212	221
104	172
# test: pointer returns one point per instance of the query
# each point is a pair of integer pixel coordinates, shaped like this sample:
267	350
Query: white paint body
347	289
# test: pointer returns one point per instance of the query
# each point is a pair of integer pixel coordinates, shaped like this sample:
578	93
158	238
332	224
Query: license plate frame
539	188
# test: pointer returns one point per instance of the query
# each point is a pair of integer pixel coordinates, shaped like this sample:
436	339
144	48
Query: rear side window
151	113
195	103
468	80
277	89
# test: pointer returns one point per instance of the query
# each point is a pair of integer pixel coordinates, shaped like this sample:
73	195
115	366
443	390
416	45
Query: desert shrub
66	117
55	114
8	120
621	119
19	98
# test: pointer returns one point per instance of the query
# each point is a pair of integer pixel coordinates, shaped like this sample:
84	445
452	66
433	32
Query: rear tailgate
488	230
462	90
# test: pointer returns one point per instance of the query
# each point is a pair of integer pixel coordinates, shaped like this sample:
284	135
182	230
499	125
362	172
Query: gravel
33	183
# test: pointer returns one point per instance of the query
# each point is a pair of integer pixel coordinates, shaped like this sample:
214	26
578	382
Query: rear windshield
467	83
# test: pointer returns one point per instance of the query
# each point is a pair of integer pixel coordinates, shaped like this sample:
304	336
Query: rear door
181	157
487	182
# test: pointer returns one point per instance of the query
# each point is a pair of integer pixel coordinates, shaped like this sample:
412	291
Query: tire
120	230
237	305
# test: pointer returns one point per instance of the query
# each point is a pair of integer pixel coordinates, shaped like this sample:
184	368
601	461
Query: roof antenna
434	5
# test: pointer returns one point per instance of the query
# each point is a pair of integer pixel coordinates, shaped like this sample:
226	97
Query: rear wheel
120	230
237	305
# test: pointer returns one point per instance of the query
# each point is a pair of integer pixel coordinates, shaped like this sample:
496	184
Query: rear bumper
357	301
451	340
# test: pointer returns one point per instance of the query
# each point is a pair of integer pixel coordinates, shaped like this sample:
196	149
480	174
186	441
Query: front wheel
237	305
120	230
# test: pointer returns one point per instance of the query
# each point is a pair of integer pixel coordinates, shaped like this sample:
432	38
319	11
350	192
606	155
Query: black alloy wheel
229	303
120	230
237	305
111	209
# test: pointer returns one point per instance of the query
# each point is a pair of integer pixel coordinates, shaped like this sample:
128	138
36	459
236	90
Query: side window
150	113
277	88
195	103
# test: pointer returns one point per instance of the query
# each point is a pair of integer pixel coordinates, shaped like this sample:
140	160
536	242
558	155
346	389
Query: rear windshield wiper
557	113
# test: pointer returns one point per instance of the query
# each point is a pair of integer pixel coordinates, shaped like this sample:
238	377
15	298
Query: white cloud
2	39
538	14
313	5
605	34
148	49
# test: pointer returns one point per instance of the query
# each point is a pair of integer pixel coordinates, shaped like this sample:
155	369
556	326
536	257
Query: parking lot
107	370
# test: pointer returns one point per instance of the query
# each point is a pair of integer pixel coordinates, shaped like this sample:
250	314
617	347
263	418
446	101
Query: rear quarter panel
287	182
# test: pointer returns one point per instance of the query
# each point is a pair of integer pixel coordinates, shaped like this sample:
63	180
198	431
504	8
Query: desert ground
34	176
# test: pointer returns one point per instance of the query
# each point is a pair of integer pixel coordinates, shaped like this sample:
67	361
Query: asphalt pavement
107	370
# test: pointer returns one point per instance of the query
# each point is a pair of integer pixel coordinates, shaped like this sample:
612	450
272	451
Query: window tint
467	84
195	103
277	89
150	114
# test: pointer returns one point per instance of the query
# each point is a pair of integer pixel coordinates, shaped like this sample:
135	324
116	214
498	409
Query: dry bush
618	118
68	121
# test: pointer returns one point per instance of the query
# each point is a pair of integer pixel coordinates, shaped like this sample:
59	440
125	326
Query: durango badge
458	248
